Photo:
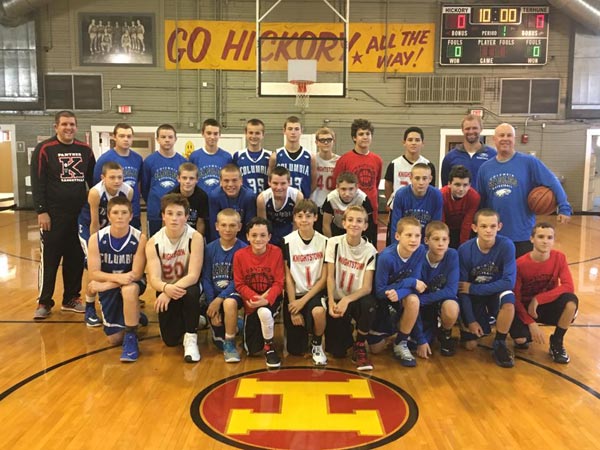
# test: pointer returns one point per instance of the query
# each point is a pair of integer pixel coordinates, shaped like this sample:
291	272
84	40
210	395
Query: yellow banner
198	44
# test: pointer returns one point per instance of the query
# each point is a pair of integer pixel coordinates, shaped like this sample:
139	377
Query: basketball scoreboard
494	35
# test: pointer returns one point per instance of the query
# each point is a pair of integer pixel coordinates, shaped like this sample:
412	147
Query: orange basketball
541	200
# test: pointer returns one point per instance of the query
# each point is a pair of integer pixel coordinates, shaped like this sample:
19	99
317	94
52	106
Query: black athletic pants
180	317
61	242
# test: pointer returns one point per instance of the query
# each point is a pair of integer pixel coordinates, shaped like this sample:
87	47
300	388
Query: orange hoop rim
301	85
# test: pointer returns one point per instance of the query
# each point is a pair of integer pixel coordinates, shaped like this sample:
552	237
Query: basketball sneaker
403	354
360	357
130	348
558	352
202	322
522	345
230	351
42	312
272	358
91	317
447	345
143	320
74	305
190	347
502	355
318	356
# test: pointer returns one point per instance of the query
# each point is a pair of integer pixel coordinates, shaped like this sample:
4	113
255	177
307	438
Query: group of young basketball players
257	233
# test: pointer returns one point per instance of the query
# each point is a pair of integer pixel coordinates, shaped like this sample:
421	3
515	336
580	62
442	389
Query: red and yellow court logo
305	408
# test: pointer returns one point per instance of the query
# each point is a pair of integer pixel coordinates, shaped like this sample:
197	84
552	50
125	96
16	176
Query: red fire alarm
124	109
524	138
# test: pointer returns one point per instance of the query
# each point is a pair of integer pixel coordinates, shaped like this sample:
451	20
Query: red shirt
254	274
458	213
367	169
546	281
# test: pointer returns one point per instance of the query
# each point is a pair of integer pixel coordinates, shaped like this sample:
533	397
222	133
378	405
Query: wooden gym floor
62	385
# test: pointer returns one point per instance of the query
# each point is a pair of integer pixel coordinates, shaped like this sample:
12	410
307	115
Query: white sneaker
403	354
318	355
190	347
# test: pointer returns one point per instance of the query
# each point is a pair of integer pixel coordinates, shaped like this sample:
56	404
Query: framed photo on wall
123	38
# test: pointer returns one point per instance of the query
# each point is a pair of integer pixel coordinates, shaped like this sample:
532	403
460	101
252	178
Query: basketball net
302	95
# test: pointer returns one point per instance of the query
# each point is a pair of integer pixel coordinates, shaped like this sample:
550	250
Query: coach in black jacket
60	168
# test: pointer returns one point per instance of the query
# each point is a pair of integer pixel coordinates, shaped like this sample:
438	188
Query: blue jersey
441	279
209	167
84	219
116	256
299	166
244	203
424	209
253	166
217	270
442	284
393	272
282	219
505	186
132	173
459	156
490	273
159	177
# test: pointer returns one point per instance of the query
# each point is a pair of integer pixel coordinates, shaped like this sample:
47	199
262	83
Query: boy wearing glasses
325	160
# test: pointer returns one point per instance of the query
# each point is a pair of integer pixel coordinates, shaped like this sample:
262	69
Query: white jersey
305	260
401	169
351	263
325	181
336	207
174	256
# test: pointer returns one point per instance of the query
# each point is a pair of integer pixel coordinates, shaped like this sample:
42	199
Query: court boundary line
553	371
36	375
26	258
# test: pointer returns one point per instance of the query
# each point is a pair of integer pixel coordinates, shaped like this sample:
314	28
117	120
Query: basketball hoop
301	74
302	94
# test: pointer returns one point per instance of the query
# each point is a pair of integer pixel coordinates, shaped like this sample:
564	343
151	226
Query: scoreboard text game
494	35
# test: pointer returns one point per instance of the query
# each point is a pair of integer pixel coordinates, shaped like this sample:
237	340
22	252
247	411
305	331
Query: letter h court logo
304	407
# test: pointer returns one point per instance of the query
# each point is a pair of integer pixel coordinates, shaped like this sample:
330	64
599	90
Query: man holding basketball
505	182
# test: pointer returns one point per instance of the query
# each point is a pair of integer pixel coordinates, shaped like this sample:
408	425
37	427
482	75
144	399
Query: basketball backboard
298	60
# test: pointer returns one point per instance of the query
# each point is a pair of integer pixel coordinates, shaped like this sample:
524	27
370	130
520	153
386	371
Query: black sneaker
447	345
272	358
502	355
522	345
558	352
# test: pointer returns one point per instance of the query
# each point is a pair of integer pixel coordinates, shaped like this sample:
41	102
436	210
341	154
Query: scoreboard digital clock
494	35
